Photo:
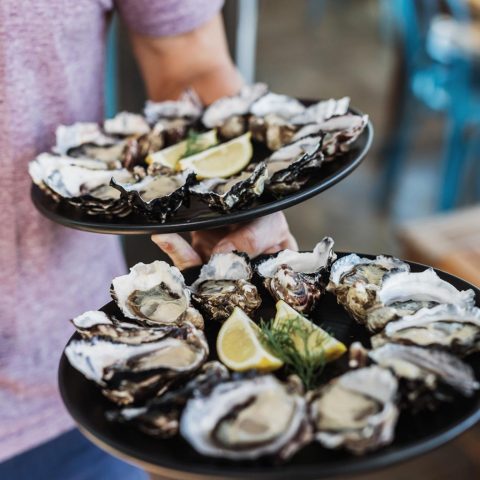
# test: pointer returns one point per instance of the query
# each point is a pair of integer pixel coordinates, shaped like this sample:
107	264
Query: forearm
197	59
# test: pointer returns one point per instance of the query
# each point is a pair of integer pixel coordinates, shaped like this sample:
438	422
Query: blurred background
413	66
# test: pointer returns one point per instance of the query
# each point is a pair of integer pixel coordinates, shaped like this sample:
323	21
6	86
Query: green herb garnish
298	346
194	144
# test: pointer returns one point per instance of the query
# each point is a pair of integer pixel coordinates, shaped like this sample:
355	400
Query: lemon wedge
239	346
221	161
170	156
318	340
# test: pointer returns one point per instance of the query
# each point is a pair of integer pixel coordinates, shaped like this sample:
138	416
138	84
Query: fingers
290	243
178	249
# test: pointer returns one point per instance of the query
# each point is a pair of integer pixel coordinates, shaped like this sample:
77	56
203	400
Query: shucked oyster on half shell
130	372
69	137
298	278
233	193
451	327
404	293
356	411
223	284
355	280
157	197
247	419
155	294
160	416
290	167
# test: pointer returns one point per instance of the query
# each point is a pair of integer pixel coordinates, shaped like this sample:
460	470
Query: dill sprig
297	344
194	144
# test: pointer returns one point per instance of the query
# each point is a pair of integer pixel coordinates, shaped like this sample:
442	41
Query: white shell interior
126	123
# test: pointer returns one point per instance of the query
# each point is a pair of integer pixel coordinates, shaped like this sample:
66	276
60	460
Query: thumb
178	249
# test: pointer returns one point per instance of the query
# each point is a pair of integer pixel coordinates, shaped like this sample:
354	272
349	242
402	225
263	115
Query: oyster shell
356	411
223	284
155	294
160	417
247	419
298	278
228	114
355	280
452	327
157	197
422	370
78	134
323	110
233	193
125	124
188	106
290	167
404	293
133	372
272	130
275	104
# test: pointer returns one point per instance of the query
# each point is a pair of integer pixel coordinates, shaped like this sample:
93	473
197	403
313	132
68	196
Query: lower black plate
174	458
198	216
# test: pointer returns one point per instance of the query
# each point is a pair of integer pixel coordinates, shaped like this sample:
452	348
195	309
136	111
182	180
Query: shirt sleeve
160	18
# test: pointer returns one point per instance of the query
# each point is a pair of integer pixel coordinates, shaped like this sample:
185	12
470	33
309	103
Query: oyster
356	411
421	370
272	130
72	136
298	278
160	416
188	106
280	105
290	167
233	193
355	280
452	327
223	284
228	114
404	293
155	294
157	197
130	372
125	124
321	111
247	419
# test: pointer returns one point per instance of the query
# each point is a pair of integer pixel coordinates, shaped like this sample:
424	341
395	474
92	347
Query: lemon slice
239	346
222	161
318	340
170	156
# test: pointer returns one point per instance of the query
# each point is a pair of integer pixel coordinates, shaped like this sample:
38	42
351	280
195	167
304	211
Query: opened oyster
223	284
355	280
452	327
234	193
133	372
247	419
69	137
229	114
404	293
272	130
423	371
125	124
356	411
321	111
298	278
160	417
290	167
155	294
275	104
157	197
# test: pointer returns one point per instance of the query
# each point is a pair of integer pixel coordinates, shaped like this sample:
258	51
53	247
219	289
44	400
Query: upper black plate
198	216
174	458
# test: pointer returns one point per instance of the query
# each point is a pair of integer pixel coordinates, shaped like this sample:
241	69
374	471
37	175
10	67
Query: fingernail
165	246
224	247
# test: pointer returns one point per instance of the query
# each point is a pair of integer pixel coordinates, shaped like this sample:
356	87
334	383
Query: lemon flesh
221	161
319	342
169	157
239	346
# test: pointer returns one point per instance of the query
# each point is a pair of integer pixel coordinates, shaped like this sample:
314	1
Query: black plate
174	458
198	216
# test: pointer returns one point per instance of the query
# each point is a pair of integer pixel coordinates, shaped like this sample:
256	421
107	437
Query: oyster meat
247	419
130	372
355	280
160	417
356	411
290	167
157	197
272	130
234	193
298	278
223	284
155	294
452	327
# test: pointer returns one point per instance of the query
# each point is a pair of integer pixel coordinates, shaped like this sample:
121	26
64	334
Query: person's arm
198	59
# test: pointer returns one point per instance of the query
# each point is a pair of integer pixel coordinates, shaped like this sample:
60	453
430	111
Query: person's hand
264	235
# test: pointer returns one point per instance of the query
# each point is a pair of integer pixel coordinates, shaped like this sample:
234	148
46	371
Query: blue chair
437	81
